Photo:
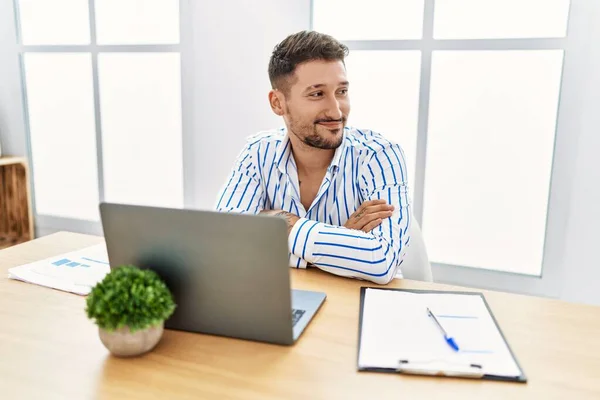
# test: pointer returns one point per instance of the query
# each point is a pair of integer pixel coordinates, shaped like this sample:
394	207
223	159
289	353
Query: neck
310	160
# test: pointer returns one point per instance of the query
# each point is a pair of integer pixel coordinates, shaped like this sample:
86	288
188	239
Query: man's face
317	105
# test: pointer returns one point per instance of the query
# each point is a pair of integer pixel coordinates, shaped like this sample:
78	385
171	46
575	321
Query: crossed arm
363	248
372	243
366	218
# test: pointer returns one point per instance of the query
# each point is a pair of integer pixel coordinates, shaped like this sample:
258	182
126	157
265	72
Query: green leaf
129	296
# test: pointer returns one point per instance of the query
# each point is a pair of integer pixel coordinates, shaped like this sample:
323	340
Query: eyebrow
320	85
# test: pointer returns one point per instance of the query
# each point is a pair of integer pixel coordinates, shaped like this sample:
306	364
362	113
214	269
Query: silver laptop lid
228	273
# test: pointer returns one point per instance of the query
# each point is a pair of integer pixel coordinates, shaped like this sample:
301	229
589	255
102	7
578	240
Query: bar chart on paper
75	272
72	263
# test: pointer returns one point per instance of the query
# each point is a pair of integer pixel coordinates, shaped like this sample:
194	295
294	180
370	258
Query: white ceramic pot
123	343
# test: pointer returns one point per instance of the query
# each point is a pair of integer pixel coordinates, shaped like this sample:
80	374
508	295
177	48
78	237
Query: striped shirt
366	166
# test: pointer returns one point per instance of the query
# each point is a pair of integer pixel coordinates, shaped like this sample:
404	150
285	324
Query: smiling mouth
331	124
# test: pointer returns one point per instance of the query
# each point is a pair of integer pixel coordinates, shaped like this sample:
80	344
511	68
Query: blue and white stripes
365	167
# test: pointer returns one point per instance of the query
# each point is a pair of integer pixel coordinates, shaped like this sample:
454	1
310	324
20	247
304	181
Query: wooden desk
48	349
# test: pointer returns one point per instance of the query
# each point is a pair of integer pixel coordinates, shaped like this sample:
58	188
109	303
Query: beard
317	136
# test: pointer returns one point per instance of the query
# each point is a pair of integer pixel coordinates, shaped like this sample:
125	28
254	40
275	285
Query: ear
277	102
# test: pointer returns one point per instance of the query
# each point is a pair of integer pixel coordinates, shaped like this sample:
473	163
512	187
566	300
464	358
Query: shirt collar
337	156
283	153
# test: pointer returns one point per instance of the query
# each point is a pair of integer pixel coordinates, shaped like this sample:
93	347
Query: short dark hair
298	48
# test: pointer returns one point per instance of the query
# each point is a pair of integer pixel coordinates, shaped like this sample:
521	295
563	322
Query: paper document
396	326
76	272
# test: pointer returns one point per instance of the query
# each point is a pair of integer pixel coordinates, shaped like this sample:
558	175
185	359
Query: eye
343	92
316	94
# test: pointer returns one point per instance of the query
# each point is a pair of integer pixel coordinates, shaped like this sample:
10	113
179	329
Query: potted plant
130	306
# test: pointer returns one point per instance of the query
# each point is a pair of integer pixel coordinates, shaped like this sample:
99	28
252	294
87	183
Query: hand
290	218
369	215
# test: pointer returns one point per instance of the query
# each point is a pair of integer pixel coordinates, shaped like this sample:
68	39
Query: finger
370	206
379	207
369	203
367	218
371	225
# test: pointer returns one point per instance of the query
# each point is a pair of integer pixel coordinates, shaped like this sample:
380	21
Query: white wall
12	127
232	42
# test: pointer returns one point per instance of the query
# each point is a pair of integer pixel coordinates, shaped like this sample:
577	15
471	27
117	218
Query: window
46	23
140	99
489	157
103	99
470	89
372	20
370	71
62	133
494	19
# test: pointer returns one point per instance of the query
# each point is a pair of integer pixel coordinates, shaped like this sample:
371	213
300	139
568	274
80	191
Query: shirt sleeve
243	191
375	256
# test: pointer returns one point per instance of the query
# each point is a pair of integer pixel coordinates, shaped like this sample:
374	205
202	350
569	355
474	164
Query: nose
334	110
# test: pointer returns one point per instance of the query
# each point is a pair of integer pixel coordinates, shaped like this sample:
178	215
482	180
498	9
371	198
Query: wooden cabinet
16	218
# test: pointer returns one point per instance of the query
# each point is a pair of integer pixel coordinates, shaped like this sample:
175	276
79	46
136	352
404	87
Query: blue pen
451	342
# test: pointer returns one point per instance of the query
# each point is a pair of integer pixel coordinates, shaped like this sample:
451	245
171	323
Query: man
343	191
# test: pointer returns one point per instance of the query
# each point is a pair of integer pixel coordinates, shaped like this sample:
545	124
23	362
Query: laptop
228	273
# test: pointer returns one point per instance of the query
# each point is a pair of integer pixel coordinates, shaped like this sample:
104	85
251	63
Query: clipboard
432	367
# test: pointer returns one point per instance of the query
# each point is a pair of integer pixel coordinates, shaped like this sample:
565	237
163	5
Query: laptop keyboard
296	315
